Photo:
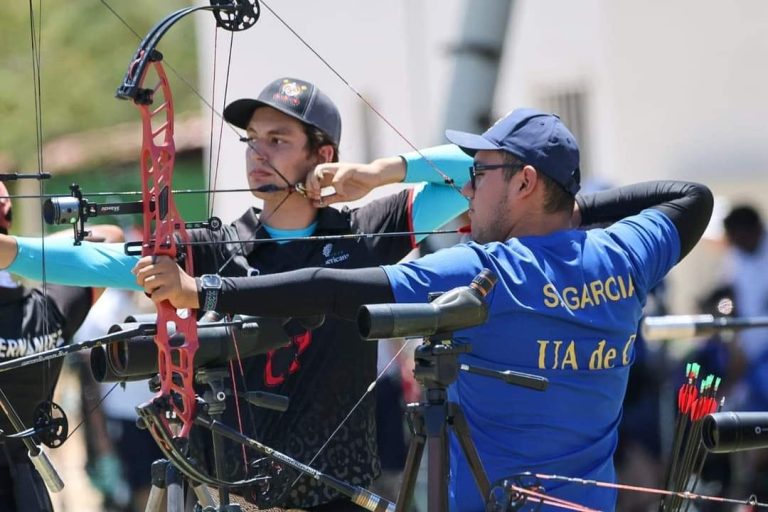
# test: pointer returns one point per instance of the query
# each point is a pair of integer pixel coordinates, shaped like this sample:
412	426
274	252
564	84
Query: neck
540	224
296	212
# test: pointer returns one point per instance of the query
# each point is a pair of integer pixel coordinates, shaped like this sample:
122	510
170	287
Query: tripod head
437	364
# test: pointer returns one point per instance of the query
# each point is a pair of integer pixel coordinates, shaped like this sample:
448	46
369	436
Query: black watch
210	285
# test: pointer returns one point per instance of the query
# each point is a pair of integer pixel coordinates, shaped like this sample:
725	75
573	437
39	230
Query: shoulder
389	213
386	202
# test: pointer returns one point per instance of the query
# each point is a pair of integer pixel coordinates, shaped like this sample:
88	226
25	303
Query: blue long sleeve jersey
107	266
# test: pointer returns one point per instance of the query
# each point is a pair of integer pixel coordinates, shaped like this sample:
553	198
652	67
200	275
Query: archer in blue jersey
566	306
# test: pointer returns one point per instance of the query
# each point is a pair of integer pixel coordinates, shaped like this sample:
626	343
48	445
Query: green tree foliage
84	53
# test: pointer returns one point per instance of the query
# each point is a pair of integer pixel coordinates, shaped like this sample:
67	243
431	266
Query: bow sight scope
726	432
135	358
455	309
61	210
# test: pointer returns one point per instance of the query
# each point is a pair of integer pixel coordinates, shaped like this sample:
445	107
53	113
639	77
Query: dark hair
556	199
742	217
317	138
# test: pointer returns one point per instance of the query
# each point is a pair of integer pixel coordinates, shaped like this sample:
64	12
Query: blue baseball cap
536	138
293	97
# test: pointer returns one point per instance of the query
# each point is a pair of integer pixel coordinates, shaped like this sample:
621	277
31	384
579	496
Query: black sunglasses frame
478	169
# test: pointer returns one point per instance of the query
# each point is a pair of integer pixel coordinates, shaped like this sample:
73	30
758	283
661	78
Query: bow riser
163	228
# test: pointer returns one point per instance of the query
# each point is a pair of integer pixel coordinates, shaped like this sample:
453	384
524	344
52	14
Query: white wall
394	52
677	89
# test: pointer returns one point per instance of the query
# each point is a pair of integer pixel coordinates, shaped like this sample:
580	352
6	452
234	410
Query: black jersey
31	322
326	371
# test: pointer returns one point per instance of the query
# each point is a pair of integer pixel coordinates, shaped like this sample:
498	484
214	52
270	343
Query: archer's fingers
143	263
313	182
150	283
159	294
327	200
143	273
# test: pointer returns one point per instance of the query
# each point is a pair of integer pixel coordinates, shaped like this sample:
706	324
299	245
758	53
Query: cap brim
470	143
239	112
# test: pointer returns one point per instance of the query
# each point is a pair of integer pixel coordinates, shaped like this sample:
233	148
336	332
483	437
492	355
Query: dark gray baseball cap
293	97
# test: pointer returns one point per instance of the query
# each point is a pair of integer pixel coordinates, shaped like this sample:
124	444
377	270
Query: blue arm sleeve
436	203
95	265
448	158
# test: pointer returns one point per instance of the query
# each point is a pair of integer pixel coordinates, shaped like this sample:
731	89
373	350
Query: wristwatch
210	286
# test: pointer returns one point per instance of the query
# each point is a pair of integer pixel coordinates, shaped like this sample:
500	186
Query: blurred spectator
119	454
638	455
747	271
395	388
32	320
717	355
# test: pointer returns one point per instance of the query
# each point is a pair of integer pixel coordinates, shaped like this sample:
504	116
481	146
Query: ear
325	153
527	180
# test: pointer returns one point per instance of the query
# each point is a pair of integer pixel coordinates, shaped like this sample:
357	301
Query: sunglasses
479	169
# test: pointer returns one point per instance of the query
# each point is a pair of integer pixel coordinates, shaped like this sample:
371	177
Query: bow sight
76	210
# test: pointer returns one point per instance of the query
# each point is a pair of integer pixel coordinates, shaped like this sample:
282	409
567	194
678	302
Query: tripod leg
437	479
461	429
413	460
157	492
174	489
204	496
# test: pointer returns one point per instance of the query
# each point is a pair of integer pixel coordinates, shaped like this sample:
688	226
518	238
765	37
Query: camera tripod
436	368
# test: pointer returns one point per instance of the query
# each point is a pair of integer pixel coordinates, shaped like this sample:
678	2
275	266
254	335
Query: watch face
211	281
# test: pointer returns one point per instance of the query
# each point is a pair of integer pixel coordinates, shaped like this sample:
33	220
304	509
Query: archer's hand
351	181
162	279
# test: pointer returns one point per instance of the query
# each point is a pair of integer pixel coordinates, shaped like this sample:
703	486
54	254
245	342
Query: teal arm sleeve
448	158
95	265
433	206
436	203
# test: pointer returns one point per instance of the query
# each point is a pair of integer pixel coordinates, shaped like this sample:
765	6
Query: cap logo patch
290	93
